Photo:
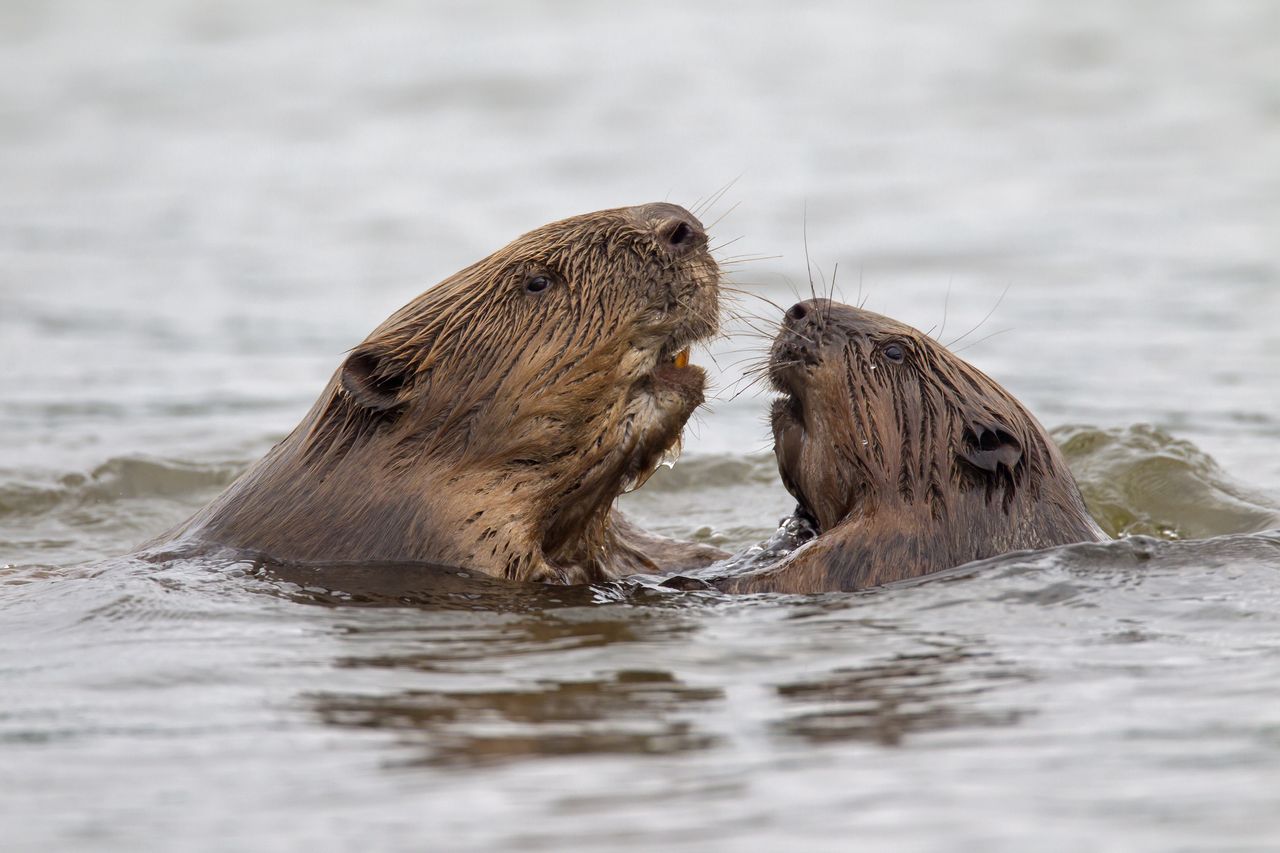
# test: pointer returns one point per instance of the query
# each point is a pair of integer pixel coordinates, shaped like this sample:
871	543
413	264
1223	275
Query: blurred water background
203	205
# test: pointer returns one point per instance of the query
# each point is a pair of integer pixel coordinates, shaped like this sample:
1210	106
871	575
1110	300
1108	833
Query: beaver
491	422
904	458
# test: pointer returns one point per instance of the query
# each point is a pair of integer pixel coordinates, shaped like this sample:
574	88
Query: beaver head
492	421
923	460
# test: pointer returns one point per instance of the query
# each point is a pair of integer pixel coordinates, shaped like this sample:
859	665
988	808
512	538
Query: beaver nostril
680	235
798	311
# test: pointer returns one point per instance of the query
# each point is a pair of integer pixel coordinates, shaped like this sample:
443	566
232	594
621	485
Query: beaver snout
793	351
801	334
790	348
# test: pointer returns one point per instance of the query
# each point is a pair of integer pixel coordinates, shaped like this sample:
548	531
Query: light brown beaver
906	459
491	422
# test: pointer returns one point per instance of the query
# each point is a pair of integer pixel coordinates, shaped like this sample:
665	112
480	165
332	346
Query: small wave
1141	480
715	469
1064	574
121	478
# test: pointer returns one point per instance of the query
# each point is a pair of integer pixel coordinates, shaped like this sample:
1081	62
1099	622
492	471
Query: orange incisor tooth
682	358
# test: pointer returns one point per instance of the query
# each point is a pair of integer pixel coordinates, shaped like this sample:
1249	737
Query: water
204	205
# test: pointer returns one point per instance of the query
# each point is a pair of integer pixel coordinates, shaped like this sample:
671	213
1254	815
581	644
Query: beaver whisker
753	354
707	342
741	326
826	314
744	313
759	321
737	295
946	302
753	370
747	259
757	369
745	376
756	335
983	320
862	301
825	289
980	340
804	337
721	217
694	311
766	300
702	206
747	383
749	325
835	288
756	363
733	312
714	360
808	264
729	242
762	359
755	321
739	392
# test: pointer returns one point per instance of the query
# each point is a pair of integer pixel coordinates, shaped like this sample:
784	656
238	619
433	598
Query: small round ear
373	380
989	445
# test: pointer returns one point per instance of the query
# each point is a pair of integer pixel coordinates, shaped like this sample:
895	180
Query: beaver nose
816	310
682	234
678	230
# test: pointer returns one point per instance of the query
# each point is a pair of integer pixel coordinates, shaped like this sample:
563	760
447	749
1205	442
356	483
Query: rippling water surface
204	205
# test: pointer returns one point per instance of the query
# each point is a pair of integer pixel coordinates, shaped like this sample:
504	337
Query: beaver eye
894	353
537	283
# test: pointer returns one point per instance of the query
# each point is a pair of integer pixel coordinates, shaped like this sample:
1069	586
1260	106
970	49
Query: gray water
203	205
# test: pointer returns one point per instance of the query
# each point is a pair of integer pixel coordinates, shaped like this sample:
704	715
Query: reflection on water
644	710
636	711
889	701
629	711
651	715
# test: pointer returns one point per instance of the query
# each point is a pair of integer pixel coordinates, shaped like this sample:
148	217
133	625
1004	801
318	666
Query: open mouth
673	369
674	389
674	354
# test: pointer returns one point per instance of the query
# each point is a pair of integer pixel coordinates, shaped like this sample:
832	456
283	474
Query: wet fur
907	468
490	427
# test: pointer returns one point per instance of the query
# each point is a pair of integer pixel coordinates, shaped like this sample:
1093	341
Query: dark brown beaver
907	459
492	421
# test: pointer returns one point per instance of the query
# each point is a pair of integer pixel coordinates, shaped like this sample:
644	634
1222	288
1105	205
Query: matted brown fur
492	421
908	459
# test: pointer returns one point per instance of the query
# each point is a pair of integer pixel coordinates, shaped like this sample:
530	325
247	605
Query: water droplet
672	454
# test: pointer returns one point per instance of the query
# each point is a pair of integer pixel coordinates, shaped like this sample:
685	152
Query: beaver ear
988	445
373	380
